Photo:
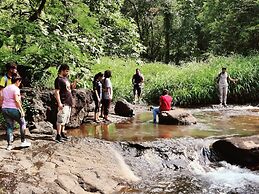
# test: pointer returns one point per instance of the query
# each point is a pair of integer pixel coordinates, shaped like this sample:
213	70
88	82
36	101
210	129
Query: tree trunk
37	13
137	20
167	30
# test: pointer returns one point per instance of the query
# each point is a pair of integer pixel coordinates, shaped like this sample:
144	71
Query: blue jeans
156	111
11	115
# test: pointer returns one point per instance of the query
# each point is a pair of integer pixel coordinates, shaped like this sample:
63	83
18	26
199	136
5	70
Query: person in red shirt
164	104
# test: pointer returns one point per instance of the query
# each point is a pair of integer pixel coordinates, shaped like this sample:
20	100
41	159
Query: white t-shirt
107	84
223	79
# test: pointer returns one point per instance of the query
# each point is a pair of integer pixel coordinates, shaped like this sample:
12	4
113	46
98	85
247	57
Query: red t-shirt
165	103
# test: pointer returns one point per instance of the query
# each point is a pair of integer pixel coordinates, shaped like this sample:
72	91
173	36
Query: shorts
137	88
63	115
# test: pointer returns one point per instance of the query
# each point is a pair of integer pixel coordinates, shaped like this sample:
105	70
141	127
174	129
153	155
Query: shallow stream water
176	164
239	120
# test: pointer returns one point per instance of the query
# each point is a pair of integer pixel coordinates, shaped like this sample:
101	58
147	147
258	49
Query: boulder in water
242	151
176	117
123	108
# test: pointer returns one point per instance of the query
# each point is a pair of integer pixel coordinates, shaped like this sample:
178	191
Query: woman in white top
222	80
107	94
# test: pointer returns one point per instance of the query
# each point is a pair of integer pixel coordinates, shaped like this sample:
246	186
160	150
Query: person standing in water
137	81
222	79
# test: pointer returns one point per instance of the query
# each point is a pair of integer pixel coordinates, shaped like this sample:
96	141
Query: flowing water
171	159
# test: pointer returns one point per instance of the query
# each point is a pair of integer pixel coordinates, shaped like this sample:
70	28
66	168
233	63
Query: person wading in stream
10	100
165	102
63	96
222	80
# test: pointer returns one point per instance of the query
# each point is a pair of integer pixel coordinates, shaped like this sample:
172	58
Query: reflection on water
211	122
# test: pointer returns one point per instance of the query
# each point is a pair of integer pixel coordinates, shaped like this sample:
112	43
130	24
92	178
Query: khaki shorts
63	115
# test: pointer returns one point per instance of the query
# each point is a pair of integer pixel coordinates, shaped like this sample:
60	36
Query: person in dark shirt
97	94
63	96
165	102
137	81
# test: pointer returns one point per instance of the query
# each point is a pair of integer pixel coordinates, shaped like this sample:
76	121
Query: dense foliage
41	34
182	30
45	33
191	84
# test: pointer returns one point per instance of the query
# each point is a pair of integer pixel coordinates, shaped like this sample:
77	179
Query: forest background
180	45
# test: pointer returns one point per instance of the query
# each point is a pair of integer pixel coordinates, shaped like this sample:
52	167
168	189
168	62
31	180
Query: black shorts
137	88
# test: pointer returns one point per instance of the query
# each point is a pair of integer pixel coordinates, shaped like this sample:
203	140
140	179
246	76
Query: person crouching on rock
97	94
63	96
12	110
165	102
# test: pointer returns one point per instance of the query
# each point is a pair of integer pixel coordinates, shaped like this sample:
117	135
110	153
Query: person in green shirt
11	71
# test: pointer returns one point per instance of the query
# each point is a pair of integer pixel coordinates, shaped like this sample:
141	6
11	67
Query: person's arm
133	80
217	78
57	96
160	102
73	84
142	80
109	92
18	103
232	80
97	95
109	88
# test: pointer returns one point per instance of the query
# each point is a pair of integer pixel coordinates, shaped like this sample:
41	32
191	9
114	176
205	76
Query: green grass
190	84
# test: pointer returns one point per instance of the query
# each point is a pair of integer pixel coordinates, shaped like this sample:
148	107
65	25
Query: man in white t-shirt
222	80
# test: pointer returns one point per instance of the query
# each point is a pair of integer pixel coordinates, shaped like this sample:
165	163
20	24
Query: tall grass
191	84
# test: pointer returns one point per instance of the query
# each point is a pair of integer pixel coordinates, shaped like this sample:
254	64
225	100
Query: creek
171	159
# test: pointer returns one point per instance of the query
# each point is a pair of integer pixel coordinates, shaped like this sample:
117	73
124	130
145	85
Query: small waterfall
182	166
222	177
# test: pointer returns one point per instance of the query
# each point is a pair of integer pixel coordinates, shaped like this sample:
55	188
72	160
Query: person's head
11	68
165	92
107	74
98	76
224	69
16	79
63	70
137	71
